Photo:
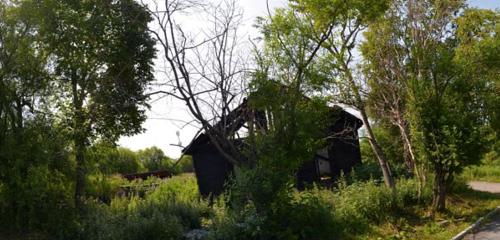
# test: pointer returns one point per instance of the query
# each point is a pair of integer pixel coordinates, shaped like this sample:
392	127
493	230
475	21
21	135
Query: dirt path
485	186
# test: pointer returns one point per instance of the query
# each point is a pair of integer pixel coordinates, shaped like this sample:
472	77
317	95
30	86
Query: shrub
305	216
36	181
318	213
308	211
166	212
185	164
42	204
489	170
229	224
361	203
181	188
367	171
407	190
104	187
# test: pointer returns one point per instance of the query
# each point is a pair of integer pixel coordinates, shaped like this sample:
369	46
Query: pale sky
168	116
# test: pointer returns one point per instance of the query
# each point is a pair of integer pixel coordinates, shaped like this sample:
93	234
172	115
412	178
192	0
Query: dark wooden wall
307	174
212	170
344	155
343	150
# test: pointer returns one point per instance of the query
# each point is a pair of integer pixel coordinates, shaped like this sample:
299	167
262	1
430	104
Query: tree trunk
411	161
79	143
379	153
407	144
80	173
439	190
377	150
19	114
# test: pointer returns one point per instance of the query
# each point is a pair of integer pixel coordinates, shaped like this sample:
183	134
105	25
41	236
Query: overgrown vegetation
360	210
488	171
166	212
489	167
75	76
353	209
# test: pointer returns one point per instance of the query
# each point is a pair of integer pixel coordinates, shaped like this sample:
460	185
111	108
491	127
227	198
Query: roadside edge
475	225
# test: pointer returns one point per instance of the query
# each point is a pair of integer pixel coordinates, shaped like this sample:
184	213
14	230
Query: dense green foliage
488	171
345	211
74	77
166	212
100	70
109	159
35	174
430	78
390	141
174	208
153	158
70	72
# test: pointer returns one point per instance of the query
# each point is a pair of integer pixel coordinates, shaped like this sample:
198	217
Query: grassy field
489	172
363	210
465	207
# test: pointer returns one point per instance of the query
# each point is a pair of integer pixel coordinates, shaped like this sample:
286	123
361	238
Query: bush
104	187
318	213
359	204
43	204
185	164
228	224
308	211
106	158
407	190
36	181
367	171
166	212
174	207
303	217
489	170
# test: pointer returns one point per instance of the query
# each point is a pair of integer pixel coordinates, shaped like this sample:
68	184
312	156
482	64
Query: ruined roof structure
339	155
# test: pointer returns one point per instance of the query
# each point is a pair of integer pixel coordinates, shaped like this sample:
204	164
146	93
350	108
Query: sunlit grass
464	208
488	171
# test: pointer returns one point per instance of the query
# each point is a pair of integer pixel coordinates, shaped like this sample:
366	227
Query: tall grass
166	212
488	171
321	213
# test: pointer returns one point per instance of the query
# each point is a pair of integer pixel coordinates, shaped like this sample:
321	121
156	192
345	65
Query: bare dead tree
204	68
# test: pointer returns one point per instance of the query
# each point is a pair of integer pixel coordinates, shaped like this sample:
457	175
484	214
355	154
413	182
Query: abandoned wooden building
341	153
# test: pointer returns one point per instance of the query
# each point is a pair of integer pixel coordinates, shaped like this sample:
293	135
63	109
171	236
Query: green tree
478	55
415	59
387	76
295	127
107	158
34	172
123	160
153	159
442	112
23	76
101	53
346	19
185	164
